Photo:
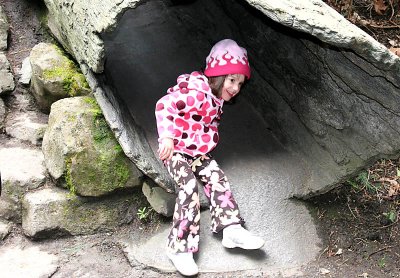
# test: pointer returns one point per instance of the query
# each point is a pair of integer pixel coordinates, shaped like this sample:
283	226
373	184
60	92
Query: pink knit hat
227	57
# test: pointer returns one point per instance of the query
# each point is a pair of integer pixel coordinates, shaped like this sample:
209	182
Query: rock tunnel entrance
329	106
159	40
149	48
310	116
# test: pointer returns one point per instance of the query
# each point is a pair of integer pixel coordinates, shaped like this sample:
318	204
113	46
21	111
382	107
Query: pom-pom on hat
227	57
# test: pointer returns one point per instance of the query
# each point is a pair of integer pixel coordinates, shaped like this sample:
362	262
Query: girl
187	122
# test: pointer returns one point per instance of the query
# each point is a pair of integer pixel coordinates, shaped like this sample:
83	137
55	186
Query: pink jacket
190	114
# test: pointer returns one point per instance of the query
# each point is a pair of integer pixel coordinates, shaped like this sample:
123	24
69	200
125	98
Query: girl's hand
166	149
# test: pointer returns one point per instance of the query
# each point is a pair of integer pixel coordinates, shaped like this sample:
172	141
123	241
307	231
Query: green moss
103	169
94	107
68	176
110	150
74	82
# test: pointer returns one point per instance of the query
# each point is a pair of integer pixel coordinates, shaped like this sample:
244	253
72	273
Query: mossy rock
82	152
55	76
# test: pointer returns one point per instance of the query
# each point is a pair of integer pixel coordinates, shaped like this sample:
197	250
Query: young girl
187	122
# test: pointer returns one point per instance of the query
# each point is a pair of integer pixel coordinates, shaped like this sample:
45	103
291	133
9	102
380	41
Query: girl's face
231	86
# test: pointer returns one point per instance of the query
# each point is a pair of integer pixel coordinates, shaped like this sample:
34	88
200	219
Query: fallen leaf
380	7
324	271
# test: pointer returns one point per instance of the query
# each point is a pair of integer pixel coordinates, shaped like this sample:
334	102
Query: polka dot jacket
190	115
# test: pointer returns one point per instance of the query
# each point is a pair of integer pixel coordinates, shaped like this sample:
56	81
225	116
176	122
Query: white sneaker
237	236
184	263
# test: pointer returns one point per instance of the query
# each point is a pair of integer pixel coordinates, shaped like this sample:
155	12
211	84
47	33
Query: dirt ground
358	221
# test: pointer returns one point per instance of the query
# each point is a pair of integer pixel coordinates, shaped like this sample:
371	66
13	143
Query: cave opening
307	101
159	40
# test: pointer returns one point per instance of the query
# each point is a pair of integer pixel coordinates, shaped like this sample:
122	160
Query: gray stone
4	27
22	169
5	229
10	210
28	126
51	212
160	200
79	146
54	76
2	113
6	77
27	262
25	72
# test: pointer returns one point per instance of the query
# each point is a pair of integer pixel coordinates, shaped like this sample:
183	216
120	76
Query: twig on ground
379	250
350	209
326	249
383	26
391	6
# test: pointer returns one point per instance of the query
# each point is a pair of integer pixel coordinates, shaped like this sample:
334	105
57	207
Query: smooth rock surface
27	262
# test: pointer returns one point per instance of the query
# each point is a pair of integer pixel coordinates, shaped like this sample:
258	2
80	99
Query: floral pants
185	170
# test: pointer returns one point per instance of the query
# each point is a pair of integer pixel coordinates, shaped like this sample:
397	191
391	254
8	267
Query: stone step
27	126
22	169
52	211
27	262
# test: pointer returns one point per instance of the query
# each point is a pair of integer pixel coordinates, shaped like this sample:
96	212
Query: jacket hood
193	81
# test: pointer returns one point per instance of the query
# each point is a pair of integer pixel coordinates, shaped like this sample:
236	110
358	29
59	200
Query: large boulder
52	212
4	27
79	148
7	83
54	76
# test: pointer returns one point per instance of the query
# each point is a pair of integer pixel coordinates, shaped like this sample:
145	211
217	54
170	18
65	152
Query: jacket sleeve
166	112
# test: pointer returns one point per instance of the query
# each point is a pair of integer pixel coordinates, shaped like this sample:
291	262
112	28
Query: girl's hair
216	83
